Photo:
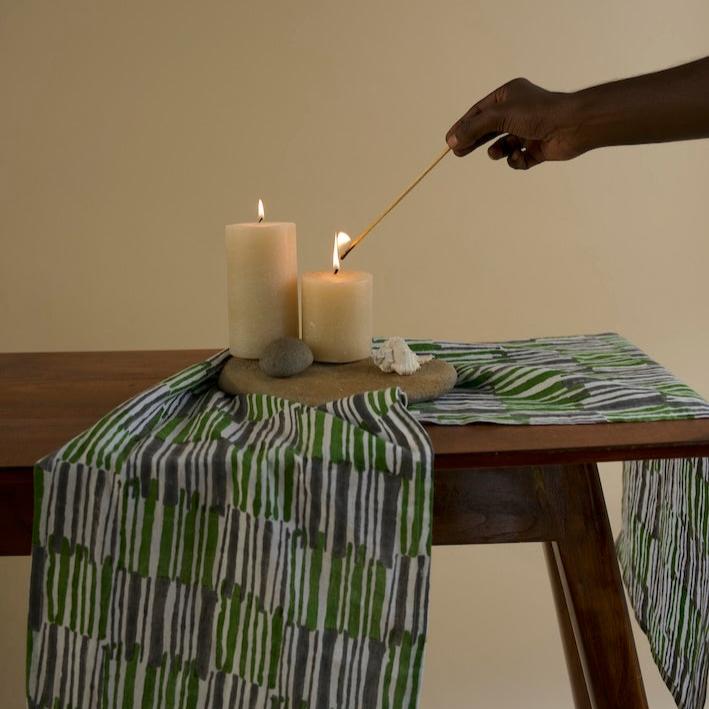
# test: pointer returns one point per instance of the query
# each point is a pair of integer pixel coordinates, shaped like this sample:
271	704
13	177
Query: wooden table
493	484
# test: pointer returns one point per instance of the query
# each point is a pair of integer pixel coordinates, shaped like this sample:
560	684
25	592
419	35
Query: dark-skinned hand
531	125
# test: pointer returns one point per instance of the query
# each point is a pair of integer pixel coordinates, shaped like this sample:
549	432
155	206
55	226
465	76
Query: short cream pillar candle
337	313
262	284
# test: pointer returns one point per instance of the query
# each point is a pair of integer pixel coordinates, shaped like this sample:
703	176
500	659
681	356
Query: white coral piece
395	355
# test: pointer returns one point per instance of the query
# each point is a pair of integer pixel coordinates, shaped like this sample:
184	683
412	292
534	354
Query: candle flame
341	239
261	212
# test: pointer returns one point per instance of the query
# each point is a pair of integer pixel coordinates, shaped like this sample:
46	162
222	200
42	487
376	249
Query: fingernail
452	141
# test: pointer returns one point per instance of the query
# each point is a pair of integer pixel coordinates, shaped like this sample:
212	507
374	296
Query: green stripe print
195	549
563	380
663	550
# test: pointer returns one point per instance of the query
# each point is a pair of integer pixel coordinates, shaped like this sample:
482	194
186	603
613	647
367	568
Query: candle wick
260	219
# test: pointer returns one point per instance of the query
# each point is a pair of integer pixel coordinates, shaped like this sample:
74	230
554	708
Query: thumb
473	129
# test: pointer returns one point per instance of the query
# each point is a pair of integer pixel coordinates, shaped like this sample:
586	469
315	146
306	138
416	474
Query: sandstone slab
325	382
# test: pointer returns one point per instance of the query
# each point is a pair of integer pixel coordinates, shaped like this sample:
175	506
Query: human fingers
525	157
475	127
504	147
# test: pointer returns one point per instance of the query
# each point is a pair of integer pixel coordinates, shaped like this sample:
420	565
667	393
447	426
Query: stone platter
325	382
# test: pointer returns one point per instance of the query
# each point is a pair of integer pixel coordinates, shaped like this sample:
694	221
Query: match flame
341	239
261	212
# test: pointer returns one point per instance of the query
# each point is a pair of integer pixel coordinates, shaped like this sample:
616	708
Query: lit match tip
341	240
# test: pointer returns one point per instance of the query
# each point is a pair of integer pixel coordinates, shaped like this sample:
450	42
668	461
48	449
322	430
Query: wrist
582	126
608	114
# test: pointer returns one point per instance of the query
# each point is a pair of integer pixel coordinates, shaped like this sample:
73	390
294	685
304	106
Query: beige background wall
131	132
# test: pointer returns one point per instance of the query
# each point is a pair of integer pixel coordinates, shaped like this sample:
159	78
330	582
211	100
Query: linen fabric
663	546
194	549
556	380
664	554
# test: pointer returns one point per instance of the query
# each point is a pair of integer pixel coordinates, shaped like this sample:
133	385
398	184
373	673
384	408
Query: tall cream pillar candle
337	313
262	285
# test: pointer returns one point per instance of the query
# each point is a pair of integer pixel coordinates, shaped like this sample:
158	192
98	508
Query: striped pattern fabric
194	549
663	547
584	379
664	553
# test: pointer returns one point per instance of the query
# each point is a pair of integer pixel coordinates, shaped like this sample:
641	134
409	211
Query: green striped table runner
663	547
195	549
585	379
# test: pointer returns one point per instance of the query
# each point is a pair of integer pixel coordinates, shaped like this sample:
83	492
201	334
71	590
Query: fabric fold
197	549
663	551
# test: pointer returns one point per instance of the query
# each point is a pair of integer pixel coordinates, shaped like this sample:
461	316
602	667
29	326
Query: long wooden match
361	236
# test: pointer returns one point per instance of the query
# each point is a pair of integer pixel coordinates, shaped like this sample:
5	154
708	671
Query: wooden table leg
563	507
588	574
579	690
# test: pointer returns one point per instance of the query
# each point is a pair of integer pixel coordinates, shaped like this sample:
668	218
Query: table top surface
47	398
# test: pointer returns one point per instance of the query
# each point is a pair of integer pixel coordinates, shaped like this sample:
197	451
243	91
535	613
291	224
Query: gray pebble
285	357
